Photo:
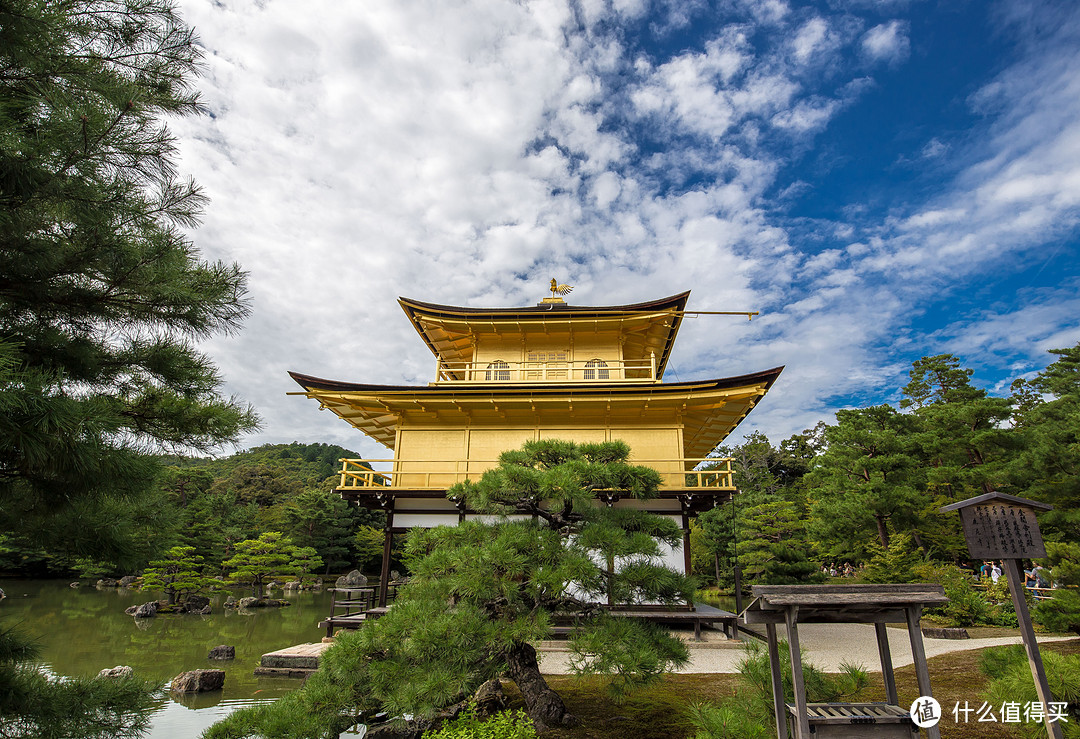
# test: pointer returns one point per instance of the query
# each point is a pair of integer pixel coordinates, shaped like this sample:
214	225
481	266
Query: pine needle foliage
269	558
481	594
1011	682
34	705
750	713
102	294
181	572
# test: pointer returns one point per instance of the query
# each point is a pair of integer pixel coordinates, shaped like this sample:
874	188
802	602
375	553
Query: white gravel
825	645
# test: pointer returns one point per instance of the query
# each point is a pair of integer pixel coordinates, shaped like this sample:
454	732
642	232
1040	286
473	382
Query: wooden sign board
996	530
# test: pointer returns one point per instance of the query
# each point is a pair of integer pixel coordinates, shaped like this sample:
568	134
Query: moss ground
658	711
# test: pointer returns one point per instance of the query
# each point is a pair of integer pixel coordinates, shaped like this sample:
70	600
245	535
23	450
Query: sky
881	179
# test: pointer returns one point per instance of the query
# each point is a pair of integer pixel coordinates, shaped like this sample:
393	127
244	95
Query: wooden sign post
999	526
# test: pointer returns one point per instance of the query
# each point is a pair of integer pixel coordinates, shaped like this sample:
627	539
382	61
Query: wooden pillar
388	540
918	655
779	709
1016	589
798	685
886	663
738	588
687	562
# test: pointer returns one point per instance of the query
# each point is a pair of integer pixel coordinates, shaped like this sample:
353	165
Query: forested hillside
211	504
866	490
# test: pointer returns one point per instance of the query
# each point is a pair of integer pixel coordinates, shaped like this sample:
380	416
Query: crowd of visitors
830	569
1036	579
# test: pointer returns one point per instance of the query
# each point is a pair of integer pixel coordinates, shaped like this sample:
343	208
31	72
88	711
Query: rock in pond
127	581
354	579
198	681
107	582
118	671
146	610
222	651
264	602
196	603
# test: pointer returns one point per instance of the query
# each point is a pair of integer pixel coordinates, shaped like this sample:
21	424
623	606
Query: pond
83	630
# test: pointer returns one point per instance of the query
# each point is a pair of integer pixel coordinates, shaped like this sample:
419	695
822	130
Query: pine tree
102	294
481	594
1047	467
181	572
866	479
270	557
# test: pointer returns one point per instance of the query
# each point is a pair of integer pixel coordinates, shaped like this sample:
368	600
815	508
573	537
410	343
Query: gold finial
557	289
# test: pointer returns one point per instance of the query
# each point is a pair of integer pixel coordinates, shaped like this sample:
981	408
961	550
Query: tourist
995	572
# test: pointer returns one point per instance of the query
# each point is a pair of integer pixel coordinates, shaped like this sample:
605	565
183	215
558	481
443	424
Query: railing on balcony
589	370
359	474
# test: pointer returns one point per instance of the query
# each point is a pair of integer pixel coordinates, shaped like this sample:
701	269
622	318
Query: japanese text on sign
997	530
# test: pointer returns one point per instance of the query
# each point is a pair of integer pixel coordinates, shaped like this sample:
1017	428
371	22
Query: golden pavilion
549	371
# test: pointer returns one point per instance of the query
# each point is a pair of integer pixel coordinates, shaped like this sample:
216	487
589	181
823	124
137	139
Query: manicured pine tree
480	595
270	557
180	573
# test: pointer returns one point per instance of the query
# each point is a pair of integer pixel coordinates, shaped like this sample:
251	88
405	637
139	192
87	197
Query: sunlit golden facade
504	376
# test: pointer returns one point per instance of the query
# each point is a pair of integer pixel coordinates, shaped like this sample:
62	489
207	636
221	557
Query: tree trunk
546	708
882	531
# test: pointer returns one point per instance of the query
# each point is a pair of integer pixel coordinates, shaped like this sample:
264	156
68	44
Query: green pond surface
81	631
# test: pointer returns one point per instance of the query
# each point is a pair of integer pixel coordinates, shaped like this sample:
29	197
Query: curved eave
311	384
711	409
675	304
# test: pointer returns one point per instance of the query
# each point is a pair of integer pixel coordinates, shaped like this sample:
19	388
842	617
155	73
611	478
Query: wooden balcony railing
589	370
378	474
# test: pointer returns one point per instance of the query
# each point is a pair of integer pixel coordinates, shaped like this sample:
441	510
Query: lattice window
550	365
497	370
596	369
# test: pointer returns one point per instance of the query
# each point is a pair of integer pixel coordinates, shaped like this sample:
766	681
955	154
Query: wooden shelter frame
879	605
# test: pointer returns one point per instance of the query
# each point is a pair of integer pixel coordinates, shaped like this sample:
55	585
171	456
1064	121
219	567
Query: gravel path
825	645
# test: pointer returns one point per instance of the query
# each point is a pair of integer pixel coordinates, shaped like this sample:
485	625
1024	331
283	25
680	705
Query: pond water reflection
83	630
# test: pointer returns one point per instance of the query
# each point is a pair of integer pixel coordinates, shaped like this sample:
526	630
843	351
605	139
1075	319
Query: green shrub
729	719
750	713
1060	613
467	725
897	564
1012	682
967	606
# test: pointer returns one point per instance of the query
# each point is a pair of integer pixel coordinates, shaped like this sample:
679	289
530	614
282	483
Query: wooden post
779	707
798	685
885	655
1016	589
918	655
738	590
999	526
384	575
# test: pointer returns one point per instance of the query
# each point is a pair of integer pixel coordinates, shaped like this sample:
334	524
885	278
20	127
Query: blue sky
882	180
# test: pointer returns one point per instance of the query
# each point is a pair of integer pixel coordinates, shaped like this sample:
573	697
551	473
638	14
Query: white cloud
467	153
887	42
810	38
